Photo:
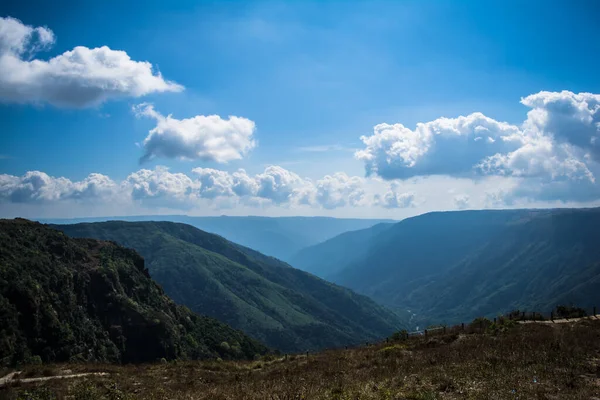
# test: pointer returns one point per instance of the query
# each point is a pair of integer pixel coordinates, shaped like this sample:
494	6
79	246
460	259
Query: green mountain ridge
280	237
327	258
64	299
454	266
285	308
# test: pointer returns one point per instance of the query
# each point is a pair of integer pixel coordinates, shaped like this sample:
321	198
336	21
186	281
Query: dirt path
4	380
11	377
561	321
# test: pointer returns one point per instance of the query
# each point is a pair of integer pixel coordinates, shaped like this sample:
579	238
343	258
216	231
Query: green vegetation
449	266
570	312
285	308
64	299
525	361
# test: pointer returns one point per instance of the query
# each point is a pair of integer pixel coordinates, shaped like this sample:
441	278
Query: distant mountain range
454	266
285	308
329	257
280	237
64	299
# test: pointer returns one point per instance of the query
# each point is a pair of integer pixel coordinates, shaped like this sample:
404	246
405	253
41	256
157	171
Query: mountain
280	237
454	266
64	299
327	258
285	308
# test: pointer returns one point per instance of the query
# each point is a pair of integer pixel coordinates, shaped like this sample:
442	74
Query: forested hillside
64	299
453	266
285	308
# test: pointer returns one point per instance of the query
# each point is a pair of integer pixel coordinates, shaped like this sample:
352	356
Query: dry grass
525	362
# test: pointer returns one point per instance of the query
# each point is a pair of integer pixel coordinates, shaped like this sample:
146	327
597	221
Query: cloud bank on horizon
551	156
472	161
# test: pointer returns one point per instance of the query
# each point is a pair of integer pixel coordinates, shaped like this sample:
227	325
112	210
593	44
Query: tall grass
525	361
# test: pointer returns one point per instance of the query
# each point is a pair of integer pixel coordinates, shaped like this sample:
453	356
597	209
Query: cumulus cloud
395	197
161	188
554	150
567	117
338	190
541	159
278	184
81	77
210	191
205	138
159	183
445	146
216	183
36	186
499	198
461	201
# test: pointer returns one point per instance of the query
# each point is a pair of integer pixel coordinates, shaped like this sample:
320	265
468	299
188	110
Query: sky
345	109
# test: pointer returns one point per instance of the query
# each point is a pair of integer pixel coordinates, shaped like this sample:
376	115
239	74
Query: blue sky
311	76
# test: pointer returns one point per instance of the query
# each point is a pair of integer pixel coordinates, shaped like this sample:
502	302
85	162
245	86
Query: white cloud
325	148
214	183
243	185
161	191
206	138
461	201
278	184
338	190
445	146
15	37
567	117
555	150
541	159
81	77
36	186
160	186
499	198
275	185
395	197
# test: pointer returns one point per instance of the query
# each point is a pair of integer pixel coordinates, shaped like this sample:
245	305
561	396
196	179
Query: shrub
225	347
480	325
86	391
34	360
392	351
41	393
400	335
570	312
502	325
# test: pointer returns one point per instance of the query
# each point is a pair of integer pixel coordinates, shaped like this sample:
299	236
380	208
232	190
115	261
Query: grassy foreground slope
528	361
285	308
67	299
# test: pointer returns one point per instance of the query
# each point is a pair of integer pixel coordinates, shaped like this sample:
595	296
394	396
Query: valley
449	267
285	308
